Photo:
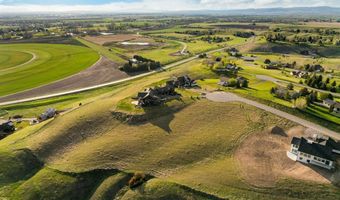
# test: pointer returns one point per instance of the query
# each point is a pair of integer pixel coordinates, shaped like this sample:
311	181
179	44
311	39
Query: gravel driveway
230	97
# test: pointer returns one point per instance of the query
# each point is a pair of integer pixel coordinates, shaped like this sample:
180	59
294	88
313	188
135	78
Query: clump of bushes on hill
215	39
139	64
137	180
244	34
203	55
197	32
314	68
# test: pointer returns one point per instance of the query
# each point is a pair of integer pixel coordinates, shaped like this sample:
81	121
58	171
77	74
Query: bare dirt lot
263	160
101	40
102	72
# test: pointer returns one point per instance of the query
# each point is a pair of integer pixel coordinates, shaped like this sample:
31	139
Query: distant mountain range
319	11
294	12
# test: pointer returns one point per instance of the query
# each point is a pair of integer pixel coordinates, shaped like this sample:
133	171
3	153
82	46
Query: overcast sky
50	6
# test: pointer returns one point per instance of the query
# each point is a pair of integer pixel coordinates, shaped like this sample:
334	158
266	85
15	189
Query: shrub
245	83
136	180
232	82
267	61
301	103
290	86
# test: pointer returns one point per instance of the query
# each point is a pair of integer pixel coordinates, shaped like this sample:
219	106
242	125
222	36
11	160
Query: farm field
51	62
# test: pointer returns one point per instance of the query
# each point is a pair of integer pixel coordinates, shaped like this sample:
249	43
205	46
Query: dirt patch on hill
101	40
263	160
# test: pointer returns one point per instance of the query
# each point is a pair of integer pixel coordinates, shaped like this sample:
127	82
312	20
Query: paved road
230	97
277	81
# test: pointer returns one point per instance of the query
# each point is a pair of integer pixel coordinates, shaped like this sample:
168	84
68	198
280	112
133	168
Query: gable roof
296	141
329	101
315	149
337	105
333	144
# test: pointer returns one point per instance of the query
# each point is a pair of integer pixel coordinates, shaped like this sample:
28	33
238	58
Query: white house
319	151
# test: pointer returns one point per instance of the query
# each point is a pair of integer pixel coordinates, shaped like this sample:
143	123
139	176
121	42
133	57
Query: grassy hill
186	149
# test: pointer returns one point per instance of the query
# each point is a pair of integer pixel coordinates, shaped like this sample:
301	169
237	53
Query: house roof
329	101
296	141
333	144
337	105
315	149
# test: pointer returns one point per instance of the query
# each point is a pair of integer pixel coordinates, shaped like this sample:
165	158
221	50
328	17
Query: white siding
309	159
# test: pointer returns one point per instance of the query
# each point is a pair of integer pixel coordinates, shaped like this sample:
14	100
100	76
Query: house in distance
49	113
6	128
158	95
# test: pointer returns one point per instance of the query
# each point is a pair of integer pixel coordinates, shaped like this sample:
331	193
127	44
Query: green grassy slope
10	59
189	148
53	62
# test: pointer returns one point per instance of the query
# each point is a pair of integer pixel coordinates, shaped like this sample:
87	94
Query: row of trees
244	34
311	30
301	99
311	39
317	81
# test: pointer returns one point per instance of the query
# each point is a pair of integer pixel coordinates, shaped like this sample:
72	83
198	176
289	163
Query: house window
327	162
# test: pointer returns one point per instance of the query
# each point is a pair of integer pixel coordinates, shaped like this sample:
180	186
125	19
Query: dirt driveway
101	40
102	72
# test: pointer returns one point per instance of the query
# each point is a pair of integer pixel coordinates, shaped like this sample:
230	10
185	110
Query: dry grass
263	160
101	40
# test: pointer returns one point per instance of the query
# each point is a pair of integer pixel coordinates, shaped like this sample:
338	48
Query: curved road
230	97
185	46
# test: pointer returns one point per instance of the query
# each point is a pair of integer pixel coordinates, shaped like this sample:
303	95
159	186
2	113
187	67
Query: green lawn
9	59
53	62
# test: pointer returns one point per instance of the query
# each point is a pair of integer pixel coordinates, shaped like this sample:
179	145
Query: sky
112	6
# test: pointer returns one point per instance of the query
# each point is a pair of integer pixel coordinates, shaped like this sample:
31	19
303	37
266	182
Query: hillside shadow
162	116
333	176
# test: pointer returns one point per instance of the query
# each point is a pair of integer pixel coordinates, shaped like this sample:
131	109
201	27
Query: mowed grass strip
9	59
53	62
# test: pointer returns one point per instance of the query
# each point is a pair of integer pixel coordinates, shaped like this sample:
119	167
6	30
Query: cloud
156	5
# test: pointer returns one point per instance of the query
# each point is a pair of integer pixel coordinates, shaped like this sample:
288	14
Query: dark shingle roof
333	144
315	149
296	141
